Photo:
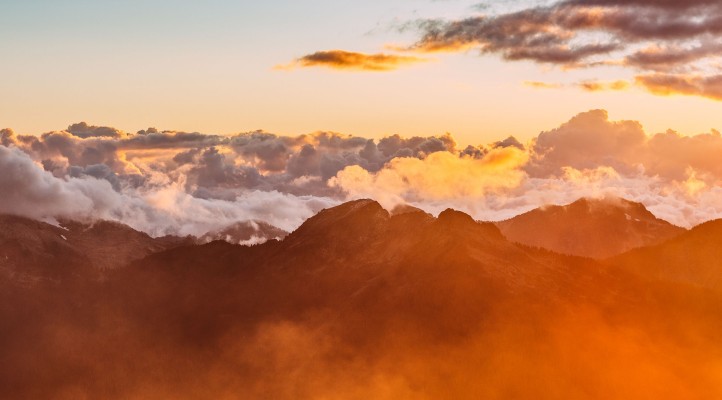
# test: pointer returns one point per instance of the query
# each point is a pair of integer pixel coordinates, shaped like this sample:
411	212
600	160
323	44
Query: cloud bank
166	182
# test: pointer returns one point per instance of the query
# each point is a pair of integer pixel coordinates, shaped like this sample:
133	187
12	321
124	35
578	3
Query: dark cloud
83	131
214	170
268	150
396	146
511	141
346	60
669	58
171	140
674	37
98	171
7	137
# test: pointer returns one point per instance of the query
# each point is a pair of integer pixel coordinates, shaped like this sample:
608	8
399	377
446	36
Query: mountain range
360	302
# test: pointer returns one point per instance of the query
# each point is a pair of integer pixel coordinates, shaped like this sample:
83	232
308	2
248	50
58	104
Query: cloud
440	177
543	85
160	209
689	85
164	182
677	38
83	130
345	60
597	86
586	85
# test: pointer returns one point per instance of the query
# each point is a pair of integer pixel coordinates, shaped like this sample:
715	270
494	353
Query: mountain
360	302
597	228
32	251
693	258
245	233
110	245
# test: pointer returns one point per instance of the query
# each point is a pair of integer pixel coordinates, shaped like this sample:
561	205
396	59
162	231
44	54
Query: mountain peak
354	218
590	227
451	216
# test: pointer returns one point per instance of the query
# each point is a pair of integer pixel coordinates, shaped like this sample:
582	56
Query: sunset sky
180	117
233	66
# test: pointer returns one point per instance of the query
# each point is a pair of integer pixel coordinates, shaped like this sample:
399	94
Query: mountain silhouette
597	228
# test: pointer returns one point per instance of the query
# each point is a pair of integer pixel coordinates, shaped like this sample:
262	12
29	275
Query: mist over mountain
358	302
245	233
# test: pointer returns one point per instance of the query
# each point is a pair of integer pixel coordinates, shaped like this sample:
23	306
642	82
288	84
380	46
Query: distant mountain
245	233
597	228
693	258
32	250
110	244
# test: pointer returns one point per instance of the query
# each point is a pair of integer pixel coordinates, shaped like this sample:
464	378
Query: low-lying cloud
180	183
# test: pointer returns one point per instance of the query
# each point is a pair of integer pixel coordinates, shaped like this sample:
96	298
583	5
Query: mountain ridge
589	227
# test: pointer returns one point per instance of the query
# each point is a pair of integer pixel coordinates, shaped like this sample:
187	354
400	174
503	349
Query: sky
226	67
186	117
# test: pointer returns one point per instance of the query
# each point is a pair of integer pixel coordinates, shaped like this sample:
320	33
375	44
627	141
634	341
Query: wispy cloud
352	61
586	85
673	46
683	84
543	85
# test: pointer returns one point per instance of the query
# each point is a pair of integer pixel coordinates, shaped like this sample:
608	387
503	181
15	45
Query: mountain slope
597	228
694	258
33	251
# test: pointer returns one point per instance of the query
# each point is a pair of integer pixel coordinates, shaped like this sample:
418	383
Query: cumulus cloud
676	176
440	177
164	182
346	60
159	210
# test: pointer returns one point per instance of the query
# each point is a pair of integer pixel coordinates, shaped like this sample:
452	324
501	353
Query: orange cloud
441	176
589	86
690	85
543	85
345	60
597	86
